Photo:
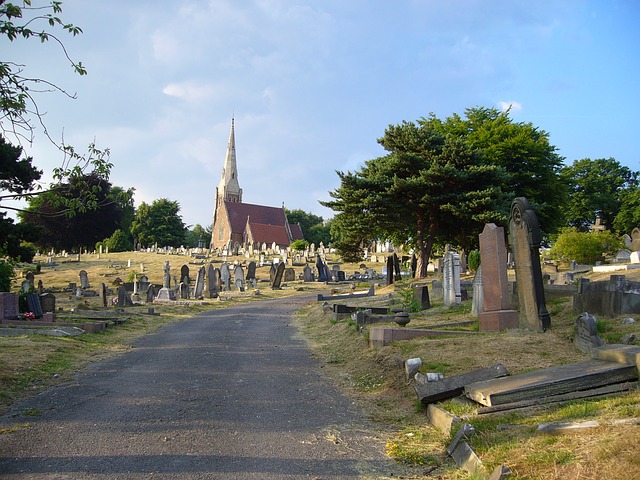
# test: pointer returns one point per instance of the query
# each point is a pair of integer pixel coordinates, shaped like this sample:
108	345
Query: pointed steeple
229	186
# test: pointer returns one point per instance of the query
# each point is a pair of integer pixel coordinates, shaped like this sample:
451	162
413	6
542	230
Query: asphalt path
232	393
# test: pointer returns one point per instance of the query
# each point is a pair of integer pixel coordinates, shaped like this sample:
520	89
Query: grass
374	379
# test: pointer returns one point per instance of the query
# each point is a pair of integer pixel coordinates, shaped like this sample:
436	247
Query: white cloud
190	92
513	106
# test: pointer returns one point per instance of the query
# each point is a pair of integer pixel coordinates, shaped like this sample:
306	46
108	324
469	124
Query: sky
312	85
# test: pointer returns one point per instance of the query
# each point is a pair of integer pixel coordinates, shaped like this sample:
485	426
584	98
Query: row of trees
441	180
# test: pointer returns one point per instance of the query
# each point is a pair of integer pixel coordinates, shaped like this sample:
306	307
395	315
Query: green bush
473	261
584	247
299	245
6	275
118	242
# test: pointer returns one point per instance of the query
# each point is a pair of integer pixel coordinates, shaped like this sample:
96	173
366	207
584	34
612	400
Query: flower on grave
30	316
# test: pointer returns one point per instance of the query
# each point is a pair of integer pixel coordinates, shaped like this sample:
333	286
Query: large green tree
313	226
159	223
628	217
597	189
429	185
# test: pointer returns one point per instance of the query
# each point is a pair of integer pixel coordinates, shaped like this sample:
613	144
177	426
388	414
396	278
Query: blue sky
313	84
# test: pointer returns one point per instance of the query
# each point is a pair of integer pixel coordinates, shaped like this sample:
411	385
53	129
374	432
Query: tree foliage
159	223
628	216
597	189
59	230
314	228
584	247
198	235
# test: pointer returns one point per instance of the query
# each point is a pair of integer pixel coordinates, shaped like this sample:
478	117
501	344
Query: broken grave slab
450	387
627	354
550	381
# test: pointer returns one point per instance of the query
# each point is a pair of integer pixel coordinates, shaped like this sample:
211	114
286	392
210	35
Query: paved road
232	393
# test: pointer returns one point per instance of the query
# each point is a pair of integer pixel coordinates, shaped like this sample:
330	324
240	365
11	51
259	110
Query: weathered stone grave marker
238	278
451	279
84	279
586	336
277	279
199	288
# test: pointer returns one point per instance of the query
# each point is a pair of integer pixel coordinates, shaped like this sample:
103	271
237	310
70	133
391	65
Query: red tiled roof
258	214
296	231
269	233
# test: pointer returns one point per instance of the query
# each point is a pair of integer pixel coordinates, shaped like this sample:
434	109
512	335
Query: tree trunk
424	244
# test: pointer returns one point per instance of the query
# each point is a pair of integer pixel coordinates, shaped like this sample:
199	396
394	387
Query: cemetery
503	346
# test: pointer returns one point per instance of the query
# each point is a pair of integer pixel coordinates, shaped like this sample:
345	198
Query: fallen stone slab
450	387
381	336
441	419
551	381
627	354
344	296
566	427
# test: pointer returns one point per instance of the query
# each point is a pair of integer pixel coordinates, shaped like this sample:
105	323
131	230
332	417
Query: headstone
183	289
30	278
289	275
586	336
421	296
184	274
477	304
48	302
277	279
9	305
238	278
150	294
341	276
33	304
102	295
623	256
634	257
212	283
525	238
451	279
396	267
307	274
437	289
144	283
635	240
374	259
389	270
251	271
25	287
84	279
322	274
497	313
124	300
40	288
199	288
225	276
166	277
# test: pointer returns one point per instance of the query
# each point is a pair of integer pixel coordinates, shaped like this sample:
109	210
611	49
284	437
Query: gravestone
451	279
25	287
421	296
390	270
102	295
166	277
277	279
212	282
124	300
341	276
322	274
33	304
478	300
238	278
151	293
272	273
183	289
144	283
48	302
497	313
327	272
307	274
40	288
396	267
84	279
225	276
623	256
30	277
9	306
586	336
436	289
199	288
525	238
251	271
289	275
635	240
184	274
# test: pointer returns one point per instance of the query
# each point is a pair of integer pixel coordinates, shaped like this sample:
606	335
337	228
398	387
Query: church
237	224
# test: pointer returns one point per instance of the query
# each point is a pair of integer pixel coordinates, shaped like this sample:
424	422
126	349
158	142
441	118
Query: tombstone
277	279
251	271
199	288
322	274
497	313
289	275
238	278
421	296
396	267
151	293
102	295
634	257
124	300
626	238
341	276
307	274
389	270
436	289
183	290
212	283
272	273
225	276
374	259
144	283
48	302
586	337
477	306
40	288
451	279
166	277
84	279
25	287
184	274
33	304
414	265
623	256
525	237
9	305
30	277
635	240
327	272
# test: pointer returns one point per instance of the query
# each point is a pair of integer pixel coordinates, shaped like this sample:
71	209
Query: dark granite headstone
421	296
48	302
396	267
586	335
124	297
389	270
289	275
251	271
277	279
33	304
9	305
307	273
322	274
184	273
102	294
